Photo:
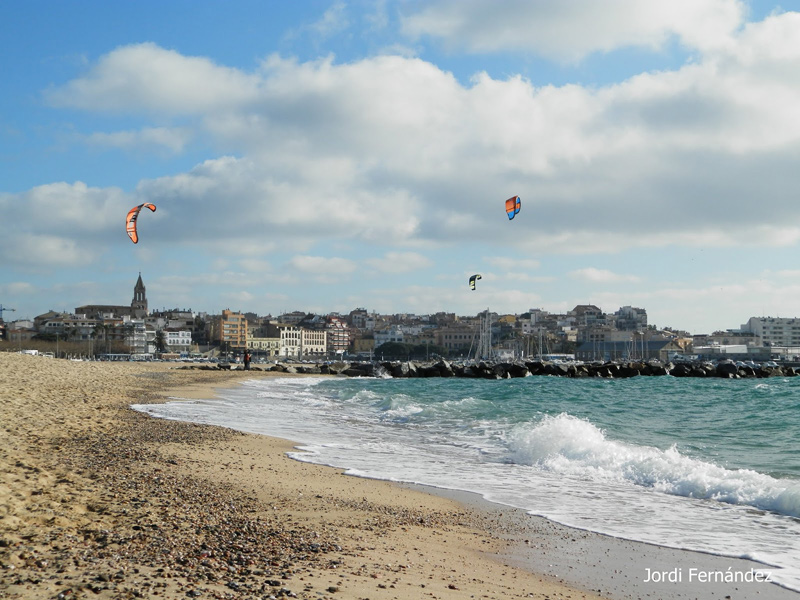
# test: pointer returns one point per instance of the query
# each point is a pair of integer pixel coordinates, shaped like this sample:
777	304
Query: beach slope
99	501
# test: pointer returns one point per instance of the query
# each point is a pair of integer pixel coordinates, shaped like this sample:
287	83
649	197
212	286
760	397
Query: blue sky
328	155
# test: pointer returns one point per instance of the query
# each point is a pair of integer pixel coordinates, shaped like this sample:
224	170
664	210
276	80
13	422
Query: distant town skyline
141	302
328	154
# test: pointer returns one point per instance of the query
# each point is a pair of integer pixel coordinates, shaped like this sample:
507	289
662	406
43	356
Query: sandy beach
100	501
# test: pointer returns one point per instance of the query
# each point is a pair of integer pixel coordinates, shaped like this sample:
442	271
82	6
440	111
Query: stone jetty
508	370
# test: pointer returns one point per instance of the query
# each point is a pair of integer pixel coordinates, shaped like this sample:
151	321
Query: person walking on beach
246	360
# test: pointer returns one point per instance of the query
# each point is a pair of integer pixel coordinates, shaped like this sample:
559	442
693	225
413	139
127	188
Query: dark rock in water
500	370
558	370
764	371
535	367
681	370
429	371
629	370
601	371
747	371
354	372
367	368
658	370
445	369
727	370
517	370
468	371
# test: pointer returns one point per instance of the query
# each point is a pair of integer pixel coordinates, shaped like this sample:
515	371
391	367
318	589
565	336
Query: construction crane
4	309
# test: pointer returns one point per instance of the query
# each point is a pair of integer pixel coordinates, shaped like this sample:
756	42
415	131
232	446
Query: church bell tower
139	303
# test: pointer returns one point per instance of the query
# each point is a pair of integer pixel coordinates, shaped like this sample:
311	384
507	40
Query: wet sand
99	501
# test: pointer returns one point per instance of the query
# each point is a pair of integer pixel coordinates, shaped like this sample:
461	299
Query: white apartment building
313	342
290	340
178	340
775	331
136	335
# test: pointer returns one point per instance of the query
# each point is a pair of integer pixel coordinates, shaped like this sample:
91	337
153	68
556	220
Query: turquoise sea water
709	465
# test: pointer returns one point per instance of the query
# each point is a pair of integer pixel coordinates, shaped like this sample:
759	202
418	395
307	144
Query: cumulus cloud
569	30
147	78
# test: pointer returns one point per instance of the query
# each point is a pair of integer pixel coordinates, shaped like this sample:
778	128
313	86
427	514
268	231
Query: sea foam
576	448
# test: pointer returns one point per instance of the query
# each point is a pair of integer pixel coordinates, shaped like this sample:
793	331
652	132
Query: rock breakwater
508	370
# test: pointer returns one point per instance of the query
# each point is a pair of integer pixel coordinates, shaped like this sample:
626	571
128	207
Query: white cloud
568	30
148	78
595	275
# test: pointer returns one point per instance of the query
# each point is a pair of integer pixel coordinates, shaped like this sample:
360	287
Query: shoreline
599	563
615	567
98	500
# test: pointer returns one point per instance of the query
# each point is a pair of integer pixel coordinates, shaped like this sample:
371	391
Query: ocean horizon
708	465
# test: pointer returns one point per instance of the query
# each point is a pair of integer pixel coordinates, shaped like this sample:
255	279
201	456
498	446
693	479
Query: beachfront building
289	336
775	331
231	331
338	335
135	335
178	340
268	347
313	343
